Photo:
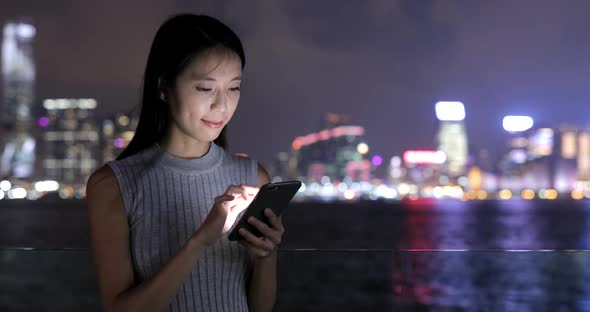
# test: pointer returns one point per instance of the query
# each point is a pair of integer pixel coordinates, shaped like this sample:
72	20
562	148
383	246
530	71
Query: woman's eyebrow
208	78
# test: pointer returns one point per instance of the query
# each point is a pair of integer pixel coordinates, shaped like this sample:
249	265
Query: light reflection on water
418	255
450	255
491	275
494	281
497	225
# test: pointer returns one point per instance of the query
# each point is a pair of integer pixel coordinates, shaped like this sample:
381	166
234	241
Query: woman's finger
246	191
252	190
258	242
237	191
220	200
275	220
270	233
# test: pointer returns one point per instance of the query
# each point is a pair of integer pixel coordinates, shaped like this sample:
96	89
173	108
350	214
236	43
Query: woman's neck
184	147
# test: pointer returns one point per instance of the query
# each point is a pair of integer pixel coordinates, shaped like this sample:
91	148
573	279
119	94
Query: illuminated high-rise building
452	137
518	127
424	167
512	165
337	152
71	138
575	147
541	143
17	144
569	146
583	157
565	163
548	158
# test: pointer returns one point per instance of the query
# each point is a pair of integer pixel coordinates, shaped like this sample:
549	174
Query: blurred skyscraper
511	166
17	144
72	140
548	158
452	137
337	152
424	167
583	157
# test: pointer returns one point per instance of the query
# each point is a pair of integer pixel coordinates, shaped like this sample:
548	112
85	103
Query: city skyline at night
306	58
334	162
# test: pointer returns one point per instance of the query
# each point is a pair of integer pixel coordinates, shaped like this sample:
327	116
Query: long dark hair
177	42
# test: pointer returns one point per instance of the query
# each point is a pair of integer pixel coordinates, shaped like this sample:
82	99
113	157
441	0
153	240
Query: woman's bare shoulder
102	184
263	176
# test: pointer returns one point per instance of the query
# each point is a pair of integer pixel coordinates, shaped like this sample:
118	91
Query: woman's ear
162	89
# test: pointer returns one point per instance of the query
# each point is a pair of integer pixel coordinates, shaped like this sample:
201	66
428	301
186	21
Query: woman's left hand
272	235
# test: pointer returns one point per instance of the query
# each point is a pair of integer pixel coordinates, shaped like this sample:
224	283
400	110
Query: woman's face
205	95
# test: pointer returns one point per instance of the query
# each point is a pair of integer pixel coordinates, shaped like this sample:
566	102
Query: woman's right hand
226	208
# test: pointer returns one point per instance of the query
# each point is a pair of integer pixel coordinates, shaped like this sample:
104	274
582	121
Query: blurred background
444	146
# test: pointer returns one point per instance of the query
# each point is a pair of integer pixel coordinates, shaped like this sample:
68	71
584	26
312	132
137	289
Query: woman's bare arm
109	234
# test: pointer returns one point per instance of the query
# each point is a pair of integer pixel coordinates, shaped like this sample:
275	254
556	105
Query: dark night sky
384	62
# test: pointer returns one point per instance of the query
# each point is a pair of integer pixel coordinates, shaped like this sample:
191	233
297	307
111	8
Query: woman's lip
213	124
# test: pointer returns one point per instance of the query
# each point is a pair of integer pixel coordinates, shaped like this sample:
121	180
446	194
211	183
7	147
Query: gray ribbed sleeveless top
166	199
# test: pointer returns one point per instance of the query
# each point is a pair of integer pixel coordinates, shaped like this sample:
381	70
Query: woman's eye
235	89
203	89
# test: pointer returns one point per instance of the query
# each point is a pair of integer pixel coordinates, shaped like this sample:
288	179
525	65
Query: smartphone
275	196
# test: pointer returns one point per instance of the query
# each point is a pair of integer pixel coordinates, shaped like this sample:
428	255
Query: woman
159	213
